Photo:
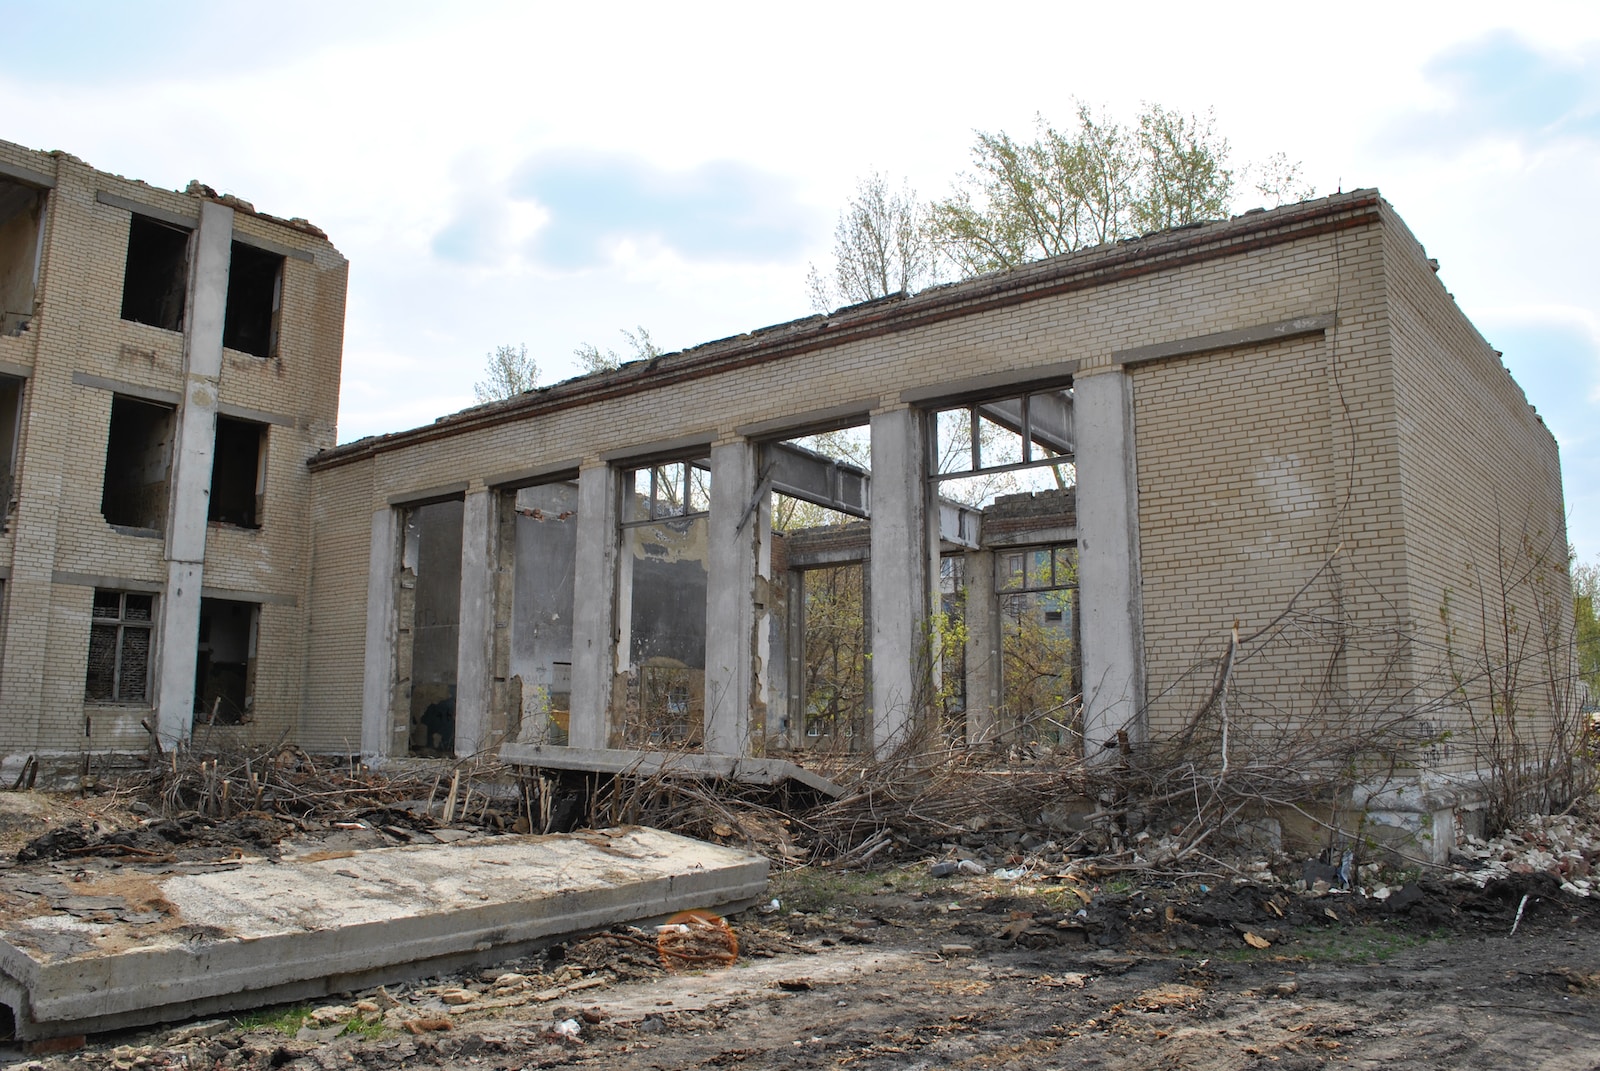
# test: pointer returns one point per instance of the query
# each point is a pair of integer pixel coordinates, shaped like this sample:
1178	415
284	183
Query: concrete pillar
734	691
594	627
475	639
377	689
983	647
1111	602
901	571
190	482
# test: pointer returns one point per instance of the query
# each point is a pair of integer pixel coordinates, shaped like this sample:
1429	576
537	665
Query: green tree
508	372
593	359
1586	611
881	245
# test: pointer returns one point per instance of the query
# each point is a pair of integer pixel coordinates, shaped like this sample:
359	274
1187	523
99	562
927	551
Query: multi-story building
168	363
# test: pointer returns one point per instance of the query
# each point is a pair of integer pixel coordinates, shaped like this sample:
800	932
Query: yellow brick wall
341	528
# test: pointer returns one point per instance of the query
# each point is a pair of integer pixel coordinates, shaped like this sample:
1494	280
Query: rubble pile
1564	846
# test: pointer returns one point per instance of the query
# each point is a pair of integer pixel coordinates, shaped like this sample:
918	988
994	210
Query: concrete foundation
129	948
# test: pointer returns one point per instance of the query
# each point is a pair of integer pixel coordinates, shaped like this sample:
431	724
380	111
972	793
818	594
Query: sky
551	174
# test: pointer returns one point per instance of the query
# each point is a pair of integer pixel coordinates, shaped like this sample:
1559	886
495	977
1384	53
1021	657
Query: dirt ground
899	969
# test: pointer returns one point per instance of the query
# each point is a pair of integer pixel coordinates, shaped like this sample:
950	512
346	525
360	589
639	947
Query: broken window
1004	446
429	606
138	461
1038	592
238	473
21	243
10	436
156	276
546	527
224	684
255	291
661	603
120	636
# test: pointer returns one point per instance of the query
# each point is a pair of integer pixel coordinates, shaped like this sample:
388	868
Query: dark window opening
255	289
225	666
119	647
10	423
156	277
237	473
430	606
21	214
138	461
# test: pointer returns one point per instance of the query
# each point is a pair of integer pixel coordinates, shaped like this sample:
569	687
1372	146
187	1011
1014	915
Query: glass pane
1066	567
954	441
138	607
1012	569
699	489
669	491
1039	575
636	492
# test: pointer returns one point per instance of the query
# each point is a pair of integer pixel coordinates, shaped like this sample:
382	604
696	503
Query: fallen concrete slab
135	946
742	769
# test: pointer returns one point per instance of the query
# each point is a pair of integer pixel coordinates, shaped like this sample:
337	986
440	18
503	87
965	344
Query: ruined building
1030	506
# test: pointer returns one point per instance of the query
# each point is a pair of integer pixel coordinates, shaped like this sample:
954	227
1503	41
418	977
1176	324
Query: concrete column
377	691
475	639
901	572
1111	601
594	625
733	680
190	482
983	647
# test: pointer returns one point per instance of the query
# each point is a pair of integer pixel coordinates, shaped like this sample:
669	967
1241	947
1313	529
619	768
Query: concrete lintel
131	390
28	175
425	496
1014	381
809	422
1225	340
269	246
20	371
661	448
266	933
259	416
103	580
383	561
552	473
1030	537
164	215
739	768
263	598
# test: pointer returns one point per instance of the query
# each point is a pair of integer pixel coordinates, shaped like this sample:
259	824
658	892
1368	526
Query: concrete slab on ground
743	769
137	945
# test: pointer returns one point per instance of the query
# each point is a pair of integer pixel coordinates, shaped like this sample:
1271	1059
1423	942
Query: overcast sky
550	174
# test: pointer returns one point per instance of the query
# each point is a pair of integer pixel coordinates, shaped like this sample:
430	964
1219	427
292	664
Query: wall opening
1040	667
155	279
21	246
120	633
138	463
661	604
542	601
10	443
238	473
255	292
429	608
1004	446
225	671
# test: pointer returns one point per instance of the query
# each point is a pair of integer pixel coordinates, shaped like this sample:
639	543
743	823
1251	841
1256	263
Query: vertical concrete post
983	647
594	626
901	571
1111	600
732	618
377	687
475	639
189	487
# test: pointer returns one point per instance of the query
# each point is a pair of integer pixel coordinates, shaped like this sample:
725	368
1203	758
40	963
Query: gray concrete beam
594	615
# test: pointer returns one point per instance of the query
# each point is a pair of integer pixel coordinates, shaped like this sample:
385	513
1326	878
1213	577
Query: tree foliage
593	359
508	372
881	245
1586	612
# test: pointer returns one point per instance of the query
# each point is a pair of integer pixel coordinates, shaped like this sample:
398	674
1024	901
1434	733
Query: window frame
122	625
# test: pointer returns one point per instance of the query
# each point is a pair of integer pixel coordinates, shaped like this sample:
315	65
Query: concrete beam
269	933
190	482
1108	561
475	638
630	763
900	569
594	614
377	690
735	698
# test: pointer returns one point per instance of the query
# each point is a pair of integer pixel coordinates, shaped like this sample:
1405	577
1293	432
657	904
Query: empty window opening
255	292
138	463
21	245
545	523
661	604
833	688
120	636
1040	667
1004	446
429	607
225	670
156	277
238	473
10	441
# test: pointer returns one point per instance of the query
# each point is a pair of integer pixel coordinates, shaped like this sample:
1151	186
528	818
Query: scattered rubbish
943	869
568	1030
973	867
1256	942
1011	873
